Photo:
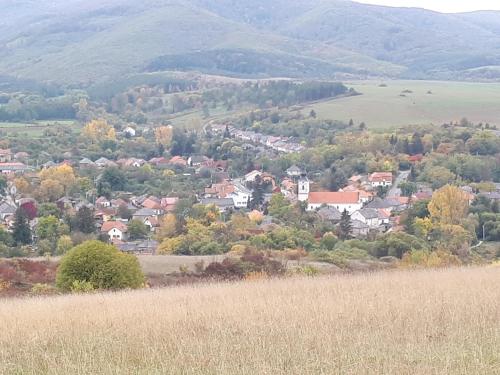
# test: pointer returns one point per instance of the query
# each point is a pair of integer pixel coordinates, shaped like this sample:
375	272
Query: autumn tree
168	227
57	177
97	131
163	135
449	205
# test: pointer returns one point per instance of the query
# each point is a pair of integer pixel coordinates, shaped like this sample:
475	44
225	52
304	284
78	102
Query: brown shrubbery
21	275
250	263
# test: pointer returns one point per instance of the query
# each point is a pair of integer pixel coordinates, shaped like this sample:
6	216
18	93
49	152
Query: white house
380	179
116	230
369	216
241	196
129	131
342	201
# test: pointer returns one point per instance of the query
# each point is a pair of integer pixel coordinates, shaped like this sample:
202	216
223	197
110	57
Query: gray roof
7	209
493	195
145	212
86	161
359	225
329	213
379	203
369	213
222	202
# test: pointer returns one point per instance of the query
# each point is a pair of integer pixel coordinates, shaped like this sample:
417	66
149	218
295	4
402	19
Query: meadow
399	322
400	103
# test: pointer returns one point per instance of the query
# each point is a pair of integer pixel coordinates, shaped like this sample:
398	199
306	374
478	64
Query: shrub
101	265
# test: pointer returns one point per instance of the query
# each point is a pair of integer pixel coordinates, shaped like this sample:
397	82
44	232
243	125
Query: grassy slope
424	322
383	107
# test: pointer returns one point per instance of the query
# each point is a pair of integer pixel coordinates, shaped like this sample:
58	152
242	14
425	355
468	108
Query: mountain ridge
84	42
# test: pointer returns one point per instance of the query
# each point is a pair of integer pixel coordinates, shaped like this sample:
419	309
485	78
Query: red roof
327	197
380	176
109	225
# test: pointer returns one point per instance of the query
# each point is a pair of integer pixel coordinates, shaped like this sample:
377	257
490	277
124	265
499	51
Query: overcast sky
447	6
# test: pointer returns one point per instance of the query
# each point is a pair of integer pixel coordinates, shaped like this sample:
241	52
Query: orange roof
151	203
327	197
178	160
109	225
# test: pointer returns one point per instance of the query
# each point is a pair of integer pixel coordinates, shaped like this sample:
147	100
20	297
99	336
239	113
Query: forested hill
76	41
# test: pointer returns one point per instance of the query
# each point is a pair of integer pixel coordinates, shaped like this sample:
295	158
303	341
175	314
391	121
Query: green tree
50	228
101	265
64	244
49	209
137	230
84	221
345	226
408	188
22	230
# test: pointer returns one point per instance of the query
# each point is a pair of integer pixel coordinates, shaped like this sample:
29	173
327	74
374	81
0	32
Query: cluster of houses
11	163
278	144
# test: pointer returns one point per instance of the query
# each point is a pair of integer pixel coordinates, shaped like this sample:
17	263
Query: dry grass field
401	322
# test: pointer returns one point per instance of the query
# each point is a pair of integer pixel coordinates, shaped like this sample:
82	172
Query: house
359	229
168	204
342	201
329	214
5	155
6	210
116	230
252	176
221	190
223	204
178	160
13	167
151	222
377	179
369	216
144	213
104	163
129	132
241	195
131	162
86	163
197	160
21	156
102	202
294	171
49	164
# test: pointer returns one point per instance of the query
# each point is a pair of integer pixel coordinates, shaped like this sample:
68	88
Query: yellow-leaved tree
163	135
64	175
99	130
449	205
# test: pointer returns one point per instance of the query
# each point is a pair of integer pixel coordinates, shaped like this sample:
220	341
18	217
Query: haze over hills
77	41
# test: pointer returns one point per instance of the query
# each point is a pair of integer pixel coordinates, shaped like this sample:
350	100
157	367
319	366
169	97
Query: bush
101	265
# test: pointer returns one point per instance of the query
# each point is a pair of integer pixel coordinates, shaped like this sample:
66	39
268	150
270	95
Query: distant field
34	129
402	322
429	102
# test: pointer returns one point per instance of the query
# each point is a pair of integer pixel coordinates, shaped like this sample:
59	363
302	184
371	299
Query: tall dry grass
421	322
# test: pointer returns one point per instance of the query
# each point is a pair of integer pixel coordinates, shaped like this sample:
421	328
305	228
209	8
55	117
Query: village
373	202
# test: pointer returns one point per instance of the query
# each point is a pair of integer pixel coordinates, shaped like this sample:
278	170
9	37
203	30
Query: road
395	190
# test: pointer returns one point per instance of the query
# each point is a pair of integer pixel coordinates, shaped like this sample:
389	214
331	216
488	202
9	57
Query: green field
34	129
429	102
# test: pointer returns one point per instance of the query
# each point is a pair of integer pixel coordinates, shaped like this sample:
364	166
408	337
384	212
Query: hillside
83	42
421	322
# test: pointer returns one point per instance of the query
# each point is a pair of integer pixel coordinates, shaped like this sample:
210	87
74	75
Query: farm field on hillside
403	103
403	322
34	129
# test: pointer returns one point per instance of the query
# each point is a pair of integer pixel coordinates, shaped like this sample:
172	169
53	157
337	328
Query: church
342	201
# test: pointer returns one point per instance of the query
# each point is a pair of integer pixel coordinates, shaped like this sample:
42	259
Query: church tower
303	188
